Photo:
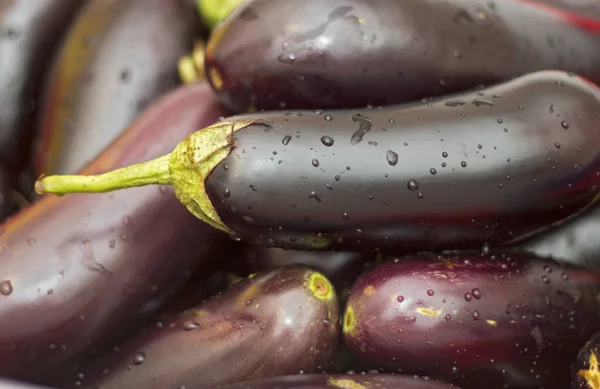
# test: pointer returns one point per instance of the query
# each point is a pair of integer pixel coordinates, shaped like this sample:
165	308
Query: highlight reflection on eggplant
77	271
118	56
490	166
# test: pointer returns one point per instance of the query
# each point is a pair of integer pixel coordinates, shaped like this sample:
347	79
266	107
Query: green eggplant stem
152	172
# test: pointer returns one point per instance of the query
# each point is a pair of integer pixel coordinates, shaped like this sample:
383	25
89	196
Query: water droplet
6	288
564	276
400	299
557	145
126	219
139	358
315	162
412	185
420	195
454	103
476	293
328	117
248	219
226	192
499	121
31	241
327	141
448	317
482	103
287	58
337	178
364	126
444	154
475	315
286	140
345	216
190	325
430	292
432	171
564	125
545	279
391	157
463	164
294	113
314	195
468	296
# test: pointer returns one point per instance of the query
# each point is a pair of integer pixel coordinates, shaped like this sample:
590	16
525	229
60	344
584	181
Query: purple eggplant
586	369
283	321
340	381
76	271
270	54
510	321
493	166
118	57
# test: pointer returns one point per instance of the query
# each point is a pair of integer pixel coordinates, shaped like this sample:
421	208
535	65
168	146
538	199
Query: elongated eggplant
118	57
270	54
575	242
279	322
76	271
586	369
492	166
30	32
509	321
340	381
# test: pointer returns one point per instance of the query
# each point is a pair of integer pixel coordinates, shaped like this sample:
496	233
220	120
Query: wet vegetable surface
118	56
340	381
279	322
75	271
267	55
586	370
479	322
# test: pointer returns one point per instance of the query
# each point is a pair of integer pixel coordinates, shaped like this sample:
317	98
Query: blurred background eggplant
271	54
30	33
281	321
118	56
76	271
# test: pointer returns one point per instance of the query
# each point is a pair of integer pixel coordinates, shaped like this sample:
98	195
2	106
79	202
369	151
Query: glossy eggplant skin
342	381
586	370
76	270
269	54
506	321
118	56
30	31
575	242
274	323
492	166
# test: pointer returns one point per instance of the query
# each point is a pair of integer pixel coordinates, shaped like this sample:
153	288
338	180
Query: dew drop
448	317
315	162
226	192
430	292
412	185
328	117
432	171
475	315
286	140
345	216
564	125
545	279
557	145
400	299
454	103
327	141
468	296
420	195
112	243
139	358
463	164
564	276
6	288
337	178
391	157
479	103
476	293
190	325
445	154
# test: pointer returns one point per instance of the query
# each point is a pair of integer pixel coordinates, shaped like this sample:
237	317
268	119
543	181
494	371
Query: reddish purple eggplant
510	321
75	271
486	167
586	369
283	321
30	32
118	57
270	54
340	381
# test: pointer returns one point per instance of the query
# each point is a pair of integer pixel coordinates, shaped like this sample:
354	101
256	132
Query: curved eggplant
118	57
278	322
487	167
30	32
586	369
76	271
270	54
508	321
342	381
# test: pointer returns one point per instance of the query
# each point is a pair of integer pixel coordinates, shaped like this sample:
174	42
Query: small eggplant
489	167
118	56
278	322
508	321
270	54
342	381
586	370
76	271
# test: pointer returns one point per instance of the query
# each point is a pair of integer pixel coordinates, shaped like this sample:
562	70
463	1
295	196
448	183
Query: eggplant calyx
344	384
194	159
592	374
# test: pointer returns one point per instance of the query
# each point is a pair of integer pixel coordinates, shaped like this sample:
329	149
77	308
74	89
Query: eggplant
489	167
575	242
342	381
270	54
30	32
118	57
586	370
278	322
76	271
495	321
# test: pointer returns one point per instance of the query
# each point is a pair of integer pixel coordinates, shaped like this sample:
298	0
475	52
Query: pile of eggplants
259	194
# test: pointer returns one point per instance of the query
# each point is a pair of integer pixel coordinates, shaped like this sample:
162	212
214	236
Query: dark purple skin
586	369
493	166
30	31
76	271
342	381
476	321
270	54
269	325
575	242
